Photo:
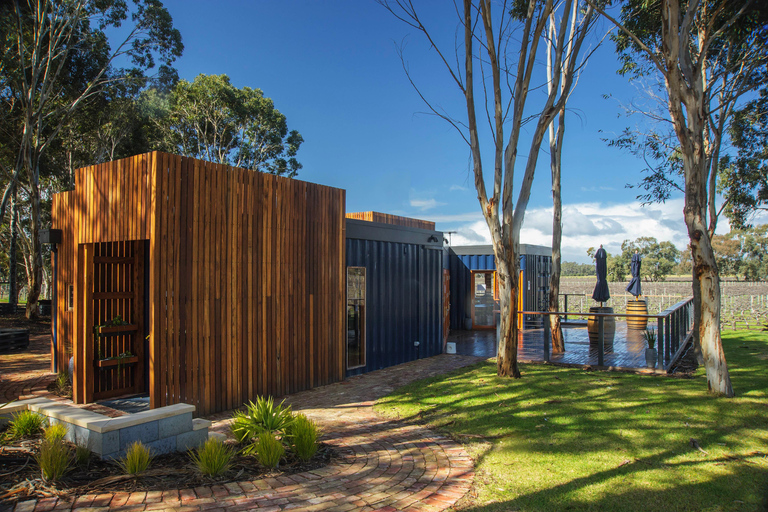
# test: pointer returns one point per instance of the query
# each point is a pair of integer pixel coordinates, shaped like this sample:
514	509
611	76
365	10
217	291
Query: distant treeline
740	255
569	268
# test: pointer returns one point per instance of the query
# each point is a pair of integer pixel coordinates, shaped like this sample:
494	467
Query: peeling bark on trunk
507	354
686	93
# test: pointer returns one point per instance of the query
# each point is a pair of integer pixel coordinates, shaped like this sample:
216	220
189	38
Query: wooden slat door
118	291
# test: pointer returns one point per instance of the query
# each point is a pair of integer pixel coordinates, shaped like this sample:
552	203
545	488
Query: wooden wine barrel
637	307
609	325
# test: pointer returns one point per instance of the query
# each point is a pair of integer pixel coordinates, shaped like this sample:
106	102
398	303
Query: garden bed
20	477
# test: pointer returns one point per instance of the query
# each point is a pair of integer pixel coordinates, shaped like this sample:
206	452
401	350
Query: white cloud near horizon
584	225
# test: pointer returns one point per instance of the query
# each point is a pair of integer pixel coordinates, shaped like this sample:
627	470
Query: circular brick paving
385	465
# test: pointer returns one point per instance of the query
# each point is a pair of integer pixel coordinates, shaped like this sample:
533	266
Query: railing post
566	306
660	342
600	341
547	337
668	336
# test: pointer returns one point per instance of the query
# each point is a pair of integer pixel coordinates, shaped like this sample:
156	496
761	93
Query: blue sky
333	69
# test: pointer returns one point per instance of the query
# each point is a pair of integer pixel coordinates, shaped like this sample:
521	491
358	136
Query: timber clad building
206	284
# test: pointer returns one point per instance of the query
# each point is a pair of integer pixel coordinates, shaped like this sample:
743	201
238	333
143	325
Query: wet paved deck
626	351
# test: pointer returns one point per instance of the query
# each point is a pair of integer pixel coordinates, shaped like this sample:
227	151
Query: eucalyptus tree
209	118
505	45
556	133
709	54
56	57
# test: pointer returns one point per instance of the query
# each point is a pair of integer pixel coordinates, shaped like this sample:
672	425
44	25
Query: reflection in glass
355	317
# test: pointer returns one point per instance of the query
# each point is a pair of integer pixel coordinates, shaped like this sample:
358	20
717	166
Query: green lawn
569	439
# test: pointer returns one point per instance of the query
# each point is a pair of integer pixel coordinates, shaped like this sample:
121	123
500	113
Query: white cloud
584	225
457	188
425	204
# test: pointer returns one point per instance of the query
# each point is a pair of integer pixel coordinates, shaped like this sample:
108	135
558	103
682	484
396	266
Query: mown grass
569	439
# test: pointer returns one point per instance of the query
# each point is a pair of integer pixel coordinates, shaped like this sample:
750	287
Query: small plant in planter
651	355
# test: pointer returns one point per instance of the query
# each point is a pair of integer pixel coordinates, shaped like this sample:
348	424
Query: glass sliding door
483	298
355	317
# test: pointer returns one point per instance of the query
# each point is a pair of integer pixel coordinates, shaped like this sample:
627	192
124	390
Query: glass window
355	317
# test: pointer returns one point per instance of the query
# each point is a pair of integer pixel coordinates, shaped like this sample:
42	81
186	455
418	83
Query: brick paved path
385	465
21	373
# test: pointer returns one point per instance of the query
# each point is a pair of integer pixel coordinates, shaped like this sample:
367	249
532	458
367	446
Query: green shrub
55	432
302	436
269	450
212	458
137	459
54	459
650	337
262	416
238	427
26	424
82	455
62	380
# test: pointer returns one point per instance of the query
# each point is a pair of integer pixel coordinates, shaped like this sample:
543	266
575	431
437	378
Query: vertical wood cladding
246	276
395	220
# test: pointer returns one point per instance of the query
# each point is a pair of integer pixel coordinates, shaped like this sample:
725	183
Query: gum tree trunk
686	108
13	287
507	353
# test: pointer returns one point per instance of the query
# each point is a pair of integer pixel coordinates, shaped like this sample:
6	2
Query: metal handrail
673	328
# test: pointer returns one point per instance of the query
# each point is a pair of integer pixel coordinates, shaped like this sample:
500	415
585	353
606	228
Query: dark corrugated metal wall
460	283
403	301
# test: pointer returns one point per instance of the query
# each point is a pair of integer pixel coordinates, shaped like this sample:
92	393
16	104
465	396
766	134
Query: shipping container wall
403	301
536	270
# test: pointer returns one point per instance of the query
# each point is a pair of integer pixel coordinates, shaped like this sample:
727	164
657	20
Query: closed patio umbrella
634	285
601	293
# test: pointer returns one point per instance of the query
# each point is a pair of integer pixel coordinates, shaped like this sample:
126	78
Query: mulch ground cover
20	476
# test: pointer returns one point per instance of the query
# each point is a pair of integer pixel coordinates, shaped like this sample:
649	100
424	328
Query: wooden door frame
83	350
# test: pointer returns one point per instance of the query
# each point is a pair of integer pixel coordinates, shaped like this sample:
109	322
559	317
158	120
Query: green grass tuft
212	458
269	450
136	460
569	439
54	459
26	424
302	436
55	432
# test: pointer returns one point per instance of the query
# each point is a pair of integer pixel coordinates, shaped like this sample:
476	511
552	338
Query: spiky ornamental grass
55	432
136	460
26	424
302	436
54	459
261	416
212	458
268	449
